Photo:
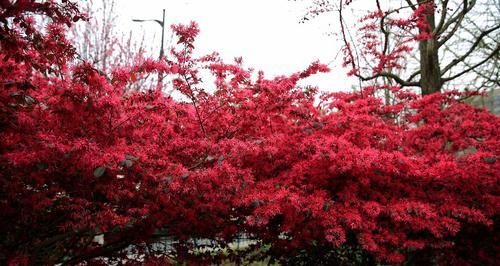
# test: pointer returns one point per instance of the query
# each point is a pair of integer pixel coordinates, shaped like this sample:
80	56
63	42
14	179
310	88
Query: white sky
266	33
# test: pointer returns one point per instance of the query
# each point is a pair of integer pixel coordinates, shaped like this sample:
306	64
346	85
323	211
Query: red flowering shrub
91	173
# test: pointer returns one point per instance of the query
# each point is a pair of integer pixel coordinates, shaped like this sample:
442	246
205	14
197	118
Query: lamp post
162	24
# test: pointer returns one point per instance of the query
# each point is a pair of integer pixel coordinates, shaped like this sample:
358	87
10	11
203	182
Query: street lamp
162	24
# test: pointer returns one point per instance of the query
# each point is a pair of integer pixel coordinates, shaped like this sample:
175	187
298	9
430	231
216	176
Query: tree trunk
430	72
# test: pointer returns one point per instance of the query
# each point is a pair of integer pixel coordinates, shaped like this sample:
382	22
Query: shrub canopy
84	158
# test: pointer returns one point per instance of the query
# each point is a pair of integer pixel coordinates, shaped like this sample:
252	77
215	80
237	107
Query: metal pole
160	74
162	35
162	24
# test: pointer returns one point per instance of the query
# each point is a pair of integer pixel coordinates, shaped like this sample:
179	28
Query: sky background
266	33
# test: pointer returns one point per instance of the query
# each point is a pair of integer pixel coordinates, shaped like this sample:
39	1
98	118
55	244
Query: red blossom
83	159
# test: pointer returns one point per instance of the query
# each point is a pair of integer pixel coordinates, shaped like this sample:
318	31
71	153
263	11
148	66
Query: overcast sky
266	33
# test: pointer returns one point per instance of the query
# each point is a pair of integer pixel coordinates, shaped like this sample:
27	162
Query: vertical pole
160	75
162	34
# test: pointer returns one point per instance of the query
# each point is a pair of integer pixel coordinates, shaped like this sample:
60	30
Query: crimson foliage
81	157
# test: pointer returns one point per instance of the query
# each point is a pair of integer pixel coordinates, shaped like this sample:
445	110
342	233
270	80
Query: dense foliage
311	177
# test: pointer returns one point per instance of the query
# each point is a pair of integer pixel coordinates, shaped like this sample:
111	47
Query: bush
92	172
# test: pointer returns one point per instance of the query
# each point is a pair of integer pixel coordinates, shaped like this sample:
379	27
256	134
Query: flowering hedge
83	157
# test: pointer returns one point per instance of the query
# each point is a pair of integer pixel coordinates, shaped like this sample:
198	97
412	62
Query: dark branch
411	4
412	76
382	29
392	76
457	20
471	49
494	53
444	11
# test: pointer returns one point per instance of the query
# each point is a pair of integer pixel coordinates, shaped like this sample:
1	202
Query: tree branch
491	77
411	4
416	73
392	76
457	20
382	29
346	43
444	8
471	49
494	53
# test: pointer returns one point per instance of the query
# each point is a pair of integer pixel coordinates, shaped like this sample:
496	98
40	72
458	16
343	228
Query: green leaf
129	163
126	163
490	160
99	171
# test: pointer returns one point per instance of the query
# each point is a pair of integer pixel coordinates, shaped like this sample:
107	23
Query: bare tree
100	40
460	48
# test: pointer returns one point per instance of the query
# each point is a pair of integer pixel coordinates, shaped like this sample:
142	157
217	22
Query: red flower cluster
84	159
